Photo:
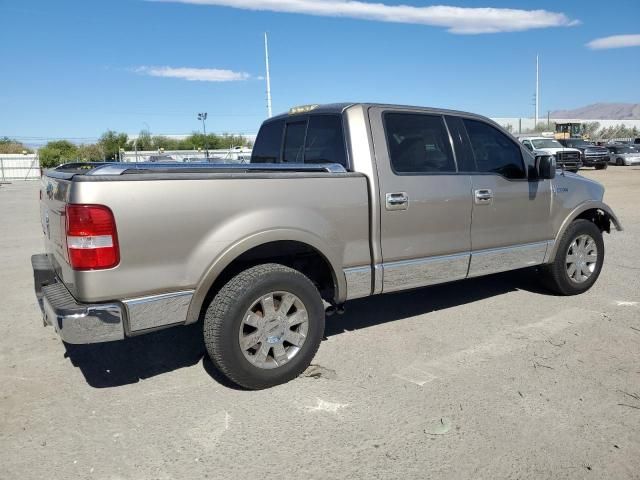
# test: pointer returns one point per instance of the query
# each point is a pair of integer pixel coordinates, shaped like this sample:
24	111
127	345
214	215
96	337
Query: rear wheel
264	326
602	166
578	260
619	162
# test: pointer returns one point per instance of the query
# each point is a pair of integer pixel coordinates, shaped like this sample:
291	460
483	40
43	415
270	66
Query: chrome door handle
397	201
483	196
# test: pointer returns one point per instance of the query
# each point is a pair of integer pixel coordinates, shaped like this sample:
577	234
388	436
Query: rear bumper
75	322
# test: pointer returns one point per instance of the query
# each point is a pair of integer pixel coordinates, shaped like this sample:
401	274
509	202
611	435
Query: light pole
203	117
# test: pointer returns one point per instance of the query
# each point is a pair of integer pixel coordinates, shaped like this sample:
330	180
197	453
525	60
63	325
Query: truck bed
175	221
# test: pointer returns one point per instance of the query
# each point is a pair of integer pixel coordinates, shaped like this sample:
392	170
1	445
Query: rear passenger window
268	143
418	143
494	151
294	142
325	141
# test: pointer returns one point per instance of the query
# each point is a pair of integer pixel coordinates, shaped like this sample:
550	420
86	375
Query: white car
569	158
624	154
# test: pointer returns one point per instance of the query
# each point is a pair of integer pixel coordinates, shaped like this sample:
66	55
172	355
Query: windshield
627	149
546	143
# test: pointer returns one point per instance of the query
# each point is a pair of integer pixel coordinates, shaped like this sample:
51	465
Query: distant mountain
602	111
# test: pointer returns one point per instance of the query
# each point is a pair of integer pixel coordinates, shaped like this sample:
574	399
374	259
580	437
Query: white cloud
615	41
459	20
195	74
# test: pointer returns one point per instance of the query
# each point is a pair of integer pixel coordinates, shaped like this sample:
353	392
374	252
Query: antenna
537	89
266	59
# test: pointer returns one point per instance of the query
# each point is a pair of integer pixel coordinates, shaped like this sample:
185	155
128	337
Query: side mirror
546	167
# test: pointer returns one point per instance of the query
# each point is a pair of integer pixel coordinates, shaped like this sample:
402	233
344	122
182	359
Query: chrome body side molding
551	245
155	311
424	271
358	281
494	260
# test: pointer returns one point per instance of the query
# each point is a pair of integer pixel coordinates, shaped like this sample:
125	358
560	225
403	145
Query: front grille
568	156
595	154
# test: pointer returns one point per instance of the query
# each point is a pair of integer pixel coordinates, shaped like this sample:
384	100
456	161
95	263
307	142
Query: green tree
143	142
57	153
9	145
590	129
90	153
111	143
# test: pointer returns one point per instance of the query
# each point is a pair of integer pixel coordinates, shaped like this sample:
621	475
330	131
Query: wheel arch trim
575	213
226	258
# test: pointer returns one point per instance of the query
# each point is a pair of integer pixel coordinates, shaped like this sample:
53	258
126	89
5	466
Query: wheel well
296	255
601	219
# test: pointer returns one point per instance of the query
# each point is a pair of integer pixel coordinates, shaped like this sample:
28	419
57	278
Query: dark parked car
592	155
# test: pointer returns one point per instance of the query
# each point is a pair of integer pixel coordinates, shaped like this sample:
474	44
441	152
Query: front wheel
264	326
602	166
578	260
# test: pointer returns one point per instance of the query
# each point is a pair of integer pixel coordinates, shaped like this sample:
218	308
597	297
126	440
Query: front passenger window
494	151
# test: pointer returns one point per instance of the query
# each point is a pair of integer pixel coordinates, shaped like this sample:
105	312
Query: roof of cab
336	108
339	108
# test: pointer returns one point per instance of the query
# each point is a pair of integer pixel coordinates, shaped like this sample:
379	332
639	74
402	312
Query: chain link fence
19	167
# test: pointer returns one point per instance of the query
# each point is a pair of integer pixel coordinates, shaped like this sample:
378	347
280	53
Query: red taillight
92	241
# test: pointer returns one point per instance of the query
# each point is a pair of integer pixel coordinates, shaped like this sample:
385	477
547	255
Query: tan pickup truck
338	202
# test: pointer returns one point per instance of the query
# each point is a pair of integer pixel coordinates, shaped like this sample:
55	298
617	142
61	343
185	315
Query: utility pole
268	76
203	117
537	89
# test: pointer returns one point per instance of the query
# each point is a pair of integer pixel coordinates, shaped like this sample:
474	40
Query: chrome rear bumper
75	322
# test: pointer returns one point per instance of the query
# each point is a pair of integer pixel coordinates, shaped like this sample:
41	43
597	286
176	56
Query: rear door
511	208
425	202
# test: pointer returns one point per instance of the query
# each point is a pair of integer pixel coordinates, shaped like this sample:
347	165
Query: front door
425	204
510	227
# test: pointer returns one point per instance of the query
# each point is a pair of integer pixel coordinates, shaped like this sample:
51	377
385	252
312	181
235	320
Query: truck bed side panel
171	231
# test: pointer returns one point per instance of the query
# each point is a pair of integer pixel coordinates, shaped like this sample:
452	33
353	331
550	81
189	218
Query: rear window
305	139
294	142
325	140
268	143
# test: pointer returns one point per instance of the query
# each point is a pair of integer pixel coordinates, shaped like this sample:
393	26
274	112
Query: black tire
602	166
555	274
619	162
224	317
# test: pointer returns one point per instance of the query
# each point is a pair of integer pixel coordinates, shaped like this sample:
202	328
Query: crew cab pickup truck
568	158
592	155
339	202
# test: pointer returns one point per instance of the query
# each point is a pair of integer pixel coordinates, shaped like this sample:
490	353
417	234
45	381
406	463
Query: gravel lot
488	378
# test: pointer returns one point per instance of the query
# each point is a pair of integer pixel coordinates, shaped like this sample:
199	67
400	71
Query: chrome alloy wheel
273	330
582	258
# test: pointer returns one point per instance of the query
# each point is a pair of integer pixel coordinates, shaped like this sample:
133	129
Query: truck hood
553	151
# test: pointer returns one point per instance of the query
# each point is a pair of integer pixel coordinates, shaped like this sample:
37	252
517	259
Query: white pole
266	56
537	90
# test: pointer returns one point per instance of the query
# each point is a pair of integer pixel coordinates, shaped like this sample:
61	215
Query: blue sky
74	68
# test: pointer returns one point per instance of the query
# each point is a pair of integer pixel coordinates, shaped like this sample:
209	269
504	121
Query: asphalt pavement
488	378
